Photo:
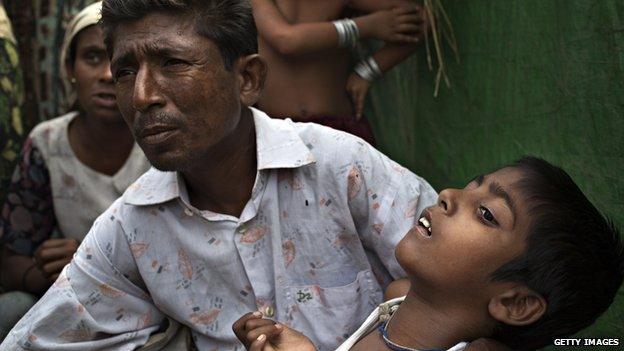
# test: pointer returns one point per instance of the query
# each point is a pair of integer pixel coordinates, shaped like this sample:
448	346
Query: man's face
467	235
173	89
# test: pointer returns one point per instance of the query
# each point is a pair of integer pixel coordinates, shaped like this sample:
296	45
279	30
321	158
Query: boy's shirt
309	249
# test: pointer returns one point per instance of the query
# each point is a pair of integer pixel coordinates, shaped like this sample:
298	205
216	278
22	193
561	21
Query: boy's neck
438	323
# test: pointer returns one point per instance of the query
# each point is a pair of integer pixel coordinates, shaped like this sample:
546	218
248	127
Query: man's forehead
148	34
154	26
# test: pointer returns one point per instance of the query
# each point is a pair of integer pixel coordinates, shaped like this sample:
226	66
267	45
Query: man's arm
390	24
385	200
96	303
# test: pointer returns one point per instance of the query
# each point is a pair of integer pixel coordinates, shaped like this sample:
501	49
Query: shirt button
269	311
241	230
188	212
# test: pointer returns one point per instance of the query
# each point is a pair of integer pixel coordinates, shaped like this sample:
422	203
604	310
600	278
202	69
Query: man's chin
168	165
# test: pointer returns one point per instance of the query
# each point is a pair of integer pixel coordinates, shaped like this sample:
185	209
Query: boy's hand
258	334
357	88
400	24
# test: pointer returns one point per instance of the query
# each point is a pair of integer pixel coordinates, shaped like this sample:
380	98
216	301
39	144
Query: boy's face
472	232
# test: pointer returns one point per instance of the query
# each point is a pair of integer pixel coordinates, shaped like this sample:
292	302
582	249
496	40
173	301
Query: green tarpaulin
541	77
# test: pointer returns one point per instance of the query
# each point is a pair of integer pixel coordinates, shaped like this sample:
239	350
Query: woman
71	168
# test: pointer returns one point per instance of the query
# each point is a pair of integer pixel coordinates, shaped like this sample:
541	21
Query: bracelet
348	33
368	69
34	265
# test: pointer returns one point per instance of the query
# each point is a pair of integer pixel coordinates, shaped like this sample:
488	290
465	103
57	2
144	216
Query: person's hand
53	254
258	334
357	88
486	345
400	24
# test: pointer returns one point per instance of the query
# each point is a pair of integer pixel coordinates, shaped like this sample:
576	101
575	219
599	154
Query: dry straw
440	29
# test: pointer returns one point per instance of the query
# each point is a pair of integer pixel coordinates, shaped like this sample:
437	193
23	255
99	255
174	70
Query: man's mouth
157	134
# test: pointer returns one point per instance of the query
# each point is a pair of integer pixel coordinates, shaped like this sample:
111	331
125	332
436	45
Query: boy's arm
391	24
388	56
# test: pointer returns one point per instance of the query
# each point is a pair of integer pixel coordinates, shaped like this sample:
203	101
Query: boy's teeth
425	223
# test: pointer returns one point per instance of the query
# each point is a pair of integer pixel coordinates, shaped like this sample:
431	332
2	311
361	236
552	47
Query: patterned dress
51	188
11	99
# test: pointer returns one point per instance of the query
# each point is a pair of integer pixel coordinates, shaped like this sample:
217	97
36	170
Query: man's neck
224	181
437	323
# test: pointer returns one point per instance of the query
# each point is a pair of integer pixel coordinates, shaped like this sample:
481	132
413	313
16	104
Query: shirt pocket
332	314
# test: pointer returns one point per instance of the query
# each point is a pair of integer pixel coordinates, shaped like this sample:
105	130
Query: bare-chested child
307	46
519	255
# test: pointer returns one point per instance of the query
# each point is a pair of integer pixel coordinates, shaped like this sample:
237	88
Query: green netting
541	77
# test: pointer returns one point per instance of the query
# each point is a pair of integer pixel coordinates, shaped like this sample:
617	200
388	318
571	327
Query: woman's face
93	81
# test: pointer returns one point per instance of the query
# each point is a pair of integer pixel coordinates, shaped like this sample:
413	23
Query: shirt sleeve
27	217
98	302
385	200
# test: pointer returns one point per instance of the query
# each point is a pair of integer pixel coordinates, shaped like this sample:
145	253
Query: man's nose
147	92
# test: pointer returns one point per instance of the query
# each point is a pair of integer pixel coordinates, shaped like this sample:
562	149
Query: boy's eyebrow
478	179
497	190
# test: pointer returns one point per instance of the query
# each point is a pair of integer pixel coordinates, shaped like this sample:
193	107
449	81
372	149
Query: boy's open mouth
424	222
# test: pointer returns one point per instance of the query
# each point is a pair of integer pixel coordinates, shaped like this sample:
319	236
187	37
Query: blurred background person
39	26
70	169
308	47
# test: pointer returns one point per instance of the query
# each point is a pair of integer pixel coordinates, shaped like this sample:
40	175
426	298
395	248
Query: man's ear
517	306
251	71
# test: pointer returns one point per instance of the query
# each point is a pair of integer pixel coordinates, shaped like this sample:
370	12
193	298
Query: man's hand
398	25
258	334
54	254
486	345
357	87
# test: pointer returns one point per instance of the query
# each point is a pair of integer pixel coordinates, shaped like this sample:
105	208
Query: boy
519	255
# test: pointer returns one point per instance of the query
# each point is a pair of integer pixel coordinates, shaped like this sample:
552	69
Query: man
307	46
244	212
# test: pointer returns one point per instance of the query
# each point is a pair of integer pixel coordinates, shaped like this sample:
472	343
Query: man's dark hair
574	257
227	23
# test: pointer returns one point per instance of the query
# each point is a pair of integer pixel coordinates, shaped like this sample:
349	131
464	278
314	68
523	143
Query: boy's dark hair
227	23
574	257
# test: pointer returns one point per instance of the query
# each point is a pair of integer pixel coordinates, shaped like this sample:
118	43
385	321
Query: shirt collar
278	145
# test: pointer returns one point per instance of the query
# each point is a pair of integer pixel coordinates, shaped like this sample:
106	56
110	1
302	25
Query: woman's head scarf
89	16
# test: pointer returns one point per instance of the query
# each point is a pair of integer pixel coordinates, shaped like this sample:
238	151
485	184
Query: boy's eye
487	215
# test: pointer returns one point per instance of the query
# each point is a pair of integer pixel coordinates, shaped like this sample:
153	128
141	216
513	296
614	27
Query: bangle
348	33
34	265
368	69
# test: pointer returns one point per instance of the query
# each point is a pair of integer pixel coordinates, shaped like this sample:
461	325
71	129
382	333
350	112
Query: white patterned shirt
312	248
